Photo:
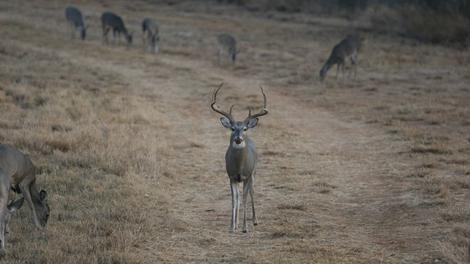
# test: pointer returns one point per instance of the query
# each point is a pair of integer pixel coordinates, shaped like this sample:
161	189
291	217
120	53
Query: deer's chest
240	165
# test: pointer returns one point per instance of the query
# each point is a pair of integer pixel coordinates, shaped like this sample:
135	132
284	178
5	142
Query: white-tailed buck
347	48
150	34
74	17
19	173
111	21
227	44
240	158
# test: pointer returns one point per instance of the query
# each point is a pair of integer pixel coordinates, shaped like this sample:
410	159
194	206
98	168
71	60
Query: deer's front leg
26	191
235	204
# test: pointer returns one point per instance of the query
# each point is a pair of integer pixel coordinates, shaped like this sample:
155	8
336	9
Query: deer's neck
239	153
240	161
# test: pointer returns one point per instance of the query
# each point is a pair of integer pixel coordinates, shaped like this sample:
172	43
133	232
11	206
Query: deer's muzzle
238	141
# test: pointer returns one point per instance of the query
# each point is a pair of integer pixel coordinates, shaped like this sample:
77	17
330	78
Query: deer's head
237	138
129	38
83	30
42	208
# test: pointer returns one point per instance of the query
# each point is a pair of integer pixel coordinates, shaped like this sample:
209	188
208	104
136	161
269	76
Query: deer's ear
252	122
226	122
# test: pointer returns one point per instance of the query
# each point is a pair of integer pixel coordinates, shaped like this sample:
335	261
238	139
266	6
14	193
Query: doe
112	21
19	173
347	48
74	17
227	44
150	34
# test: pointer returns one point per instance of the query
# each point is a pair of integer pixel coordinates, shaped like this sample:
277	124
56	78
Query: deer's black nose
238	141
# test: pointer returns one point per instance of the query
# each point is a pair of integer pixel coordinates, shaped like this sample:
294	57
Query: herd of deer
17	172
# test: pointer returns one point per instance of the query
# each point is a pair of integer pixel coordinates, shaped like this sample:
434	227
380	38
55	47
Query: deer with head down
348	48
75	19
19	173
227	44
240	158
150	34
111	21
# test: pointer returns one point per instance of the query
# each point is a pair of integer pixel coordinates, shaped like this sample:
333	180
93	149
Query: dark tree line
447	6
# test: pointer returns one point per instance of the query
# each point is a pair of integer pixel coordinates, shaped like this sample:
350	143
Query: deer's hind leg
252	193
246	189
354	63
25	188
4	191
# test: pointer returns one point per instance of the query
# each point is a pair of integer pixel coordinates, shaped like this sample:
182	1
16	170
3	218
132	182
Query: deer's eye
233	129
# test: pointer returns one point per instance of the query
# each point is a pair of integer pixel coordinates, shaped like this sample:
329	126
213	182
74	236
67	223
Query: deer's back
150	25
15	164
347	47
227	41
112	20
74	15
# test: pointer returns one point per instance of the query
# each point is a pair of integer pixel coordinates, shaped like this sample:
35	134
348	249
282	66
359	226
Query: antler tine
264	97
214	96
215	107
264	111
230	111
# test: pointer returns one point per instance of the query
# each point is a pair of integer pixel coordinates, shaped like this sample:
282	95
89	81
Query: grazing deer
112	21
240	158
228	44
74	17
150	36
19	173
347	48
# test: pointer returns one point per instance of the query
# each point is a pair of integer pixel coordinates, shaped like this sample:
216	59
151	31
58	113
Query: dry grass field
372	170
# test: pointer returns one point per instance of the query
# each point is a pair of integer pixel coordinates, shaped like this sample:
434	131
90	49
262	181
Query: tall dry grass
79	126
